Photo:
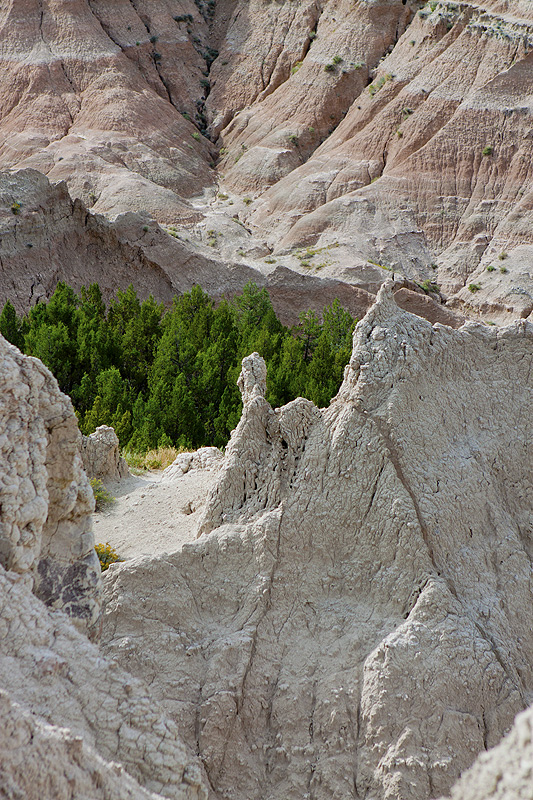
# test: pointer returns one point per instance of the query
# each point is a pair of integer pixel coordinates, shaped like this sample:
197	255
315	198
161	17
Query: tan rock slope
91	95
46	237
352	138
354	619
52	237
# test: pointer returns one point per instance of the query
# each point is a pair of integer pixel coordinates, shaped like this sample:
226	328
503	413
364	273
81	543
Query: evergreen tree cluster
169	377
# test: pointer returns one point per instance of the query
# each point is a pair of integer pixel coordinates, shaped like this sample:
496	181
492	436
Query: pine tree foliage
168	378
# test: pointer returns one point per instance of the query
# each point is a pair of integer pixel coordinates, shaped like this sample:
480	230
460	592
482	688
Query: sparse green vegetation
374	87
156	458
102	496
474	287
429	286
246	200
296	67
491	268
222	196
329	67
196	135
15	208
487	151
502	256
293	139
503	270
337	60
106	555
381	266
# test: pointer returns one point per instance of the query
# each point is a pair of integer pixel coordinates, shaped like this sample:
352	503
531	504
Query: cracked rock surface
68	715
101	456
62	702
354	618
45	498
504	773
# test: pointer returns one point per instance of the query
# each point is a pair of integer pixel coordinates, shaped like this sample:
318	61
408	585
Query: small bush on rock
106	555
102	496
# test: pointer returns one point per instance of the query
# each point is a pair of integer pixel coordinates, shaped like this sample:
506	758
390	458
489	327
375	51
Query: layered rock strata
354	619
47	237
52	238
396	132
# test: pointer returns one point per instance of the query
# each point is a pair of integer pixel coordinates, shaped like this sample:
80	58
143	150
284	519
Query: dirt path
152	514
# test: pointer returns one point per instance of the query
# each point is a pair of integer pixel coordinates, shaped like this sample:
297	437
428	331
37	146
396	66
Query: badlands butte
339	606
313	147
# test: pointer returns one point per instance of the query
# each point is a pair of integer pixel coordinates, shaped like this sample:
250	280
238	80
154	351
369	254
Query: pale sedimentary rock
206	458
67	712
354	619
101	455
506	771
45	498
45	762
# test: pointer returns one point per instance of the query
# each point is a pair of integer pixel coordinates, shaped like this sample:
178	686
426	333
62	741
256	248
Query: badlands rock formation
52	238
354	618
68	715
46	500
505	772
338	139
101	456
81	714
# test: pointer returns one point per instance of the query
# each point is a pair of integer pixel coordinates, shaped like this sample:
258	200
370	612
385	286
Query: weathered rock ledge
354	619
